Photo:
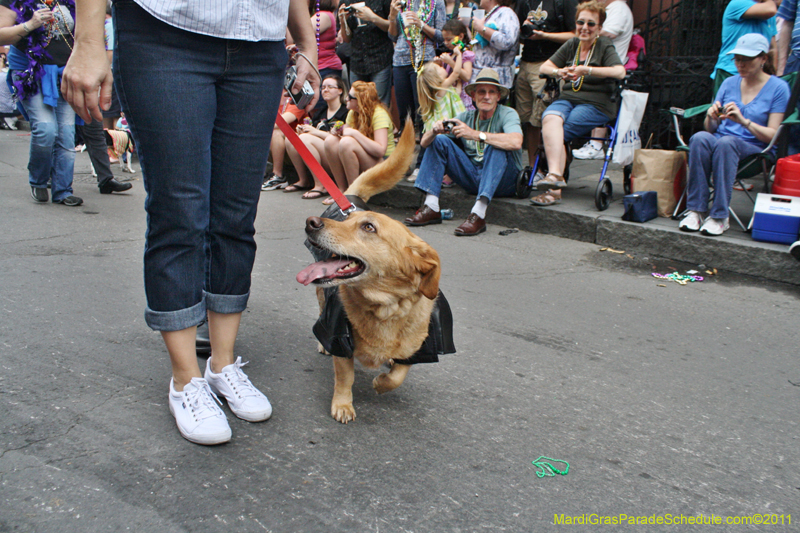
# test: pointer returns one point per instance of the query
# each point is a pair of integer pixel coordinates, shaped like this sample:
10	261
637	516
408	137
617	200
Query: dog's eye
368	227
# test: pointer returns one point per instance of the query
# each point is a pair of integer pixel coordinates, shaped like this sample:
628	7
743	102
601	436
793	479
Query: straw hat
487	76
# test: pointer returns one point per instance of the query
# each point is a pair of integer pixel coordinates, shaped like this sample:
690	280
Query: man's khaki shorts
527	86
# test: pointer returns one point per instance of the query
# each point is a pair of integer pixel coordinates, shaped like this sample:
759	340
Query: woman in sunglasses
587	64
364	141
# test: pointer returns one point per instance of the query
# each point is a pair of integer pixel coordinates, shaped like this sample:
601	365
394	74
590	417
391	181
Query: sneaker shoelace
201	401
239	381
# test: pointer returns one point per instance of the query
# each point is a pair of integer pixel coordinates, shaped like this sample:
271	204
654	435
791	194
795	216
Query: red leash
314	166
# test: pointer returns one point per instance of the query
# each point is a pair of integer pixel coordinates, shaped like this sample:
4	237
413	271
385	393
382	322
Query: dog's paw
321	349
383	383
343	412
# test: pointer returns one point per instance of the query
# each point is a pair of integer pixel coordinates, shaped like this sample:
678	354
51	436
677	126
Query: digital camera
448	125
300	99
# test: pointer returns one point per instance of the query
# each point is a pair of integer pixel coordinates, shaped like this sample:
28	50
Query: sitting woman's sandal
546	199
551	181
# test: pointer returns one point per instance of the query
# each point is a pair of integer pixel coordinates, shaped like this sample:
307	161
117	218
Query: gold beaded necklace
576	62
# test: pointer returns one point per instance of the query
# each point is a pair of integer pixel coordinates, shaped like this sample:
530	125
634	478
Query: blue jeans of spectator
713	162
201	110
383	83
495	176
405	91
578	119
52	152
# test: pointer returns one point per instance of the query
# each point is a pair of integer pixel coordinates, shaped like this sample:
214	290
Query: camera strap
314	166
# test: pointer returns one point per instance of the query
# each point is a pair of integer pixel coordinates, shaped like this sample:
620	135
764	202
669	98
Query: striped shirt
246	20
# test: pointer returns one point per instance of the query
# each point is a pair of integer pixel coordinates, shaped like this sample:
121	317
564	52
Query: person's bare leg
183	356
532	138
303	174
332	154
277	148
222	331
553	137
354	158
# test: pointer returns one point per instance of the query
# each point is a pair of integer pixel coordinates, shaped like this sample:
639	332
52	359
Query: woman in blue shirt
741	122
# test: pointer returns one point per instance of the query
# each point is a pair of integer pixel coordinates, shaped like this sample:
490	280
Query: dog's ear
426	262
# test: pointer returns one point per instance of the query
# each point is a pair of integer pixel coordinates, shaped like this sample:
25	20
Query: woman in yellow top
365	140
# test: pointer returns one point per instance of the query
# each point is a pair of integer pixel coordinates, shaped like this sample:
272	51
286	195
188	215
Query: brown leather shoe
472	226
424	216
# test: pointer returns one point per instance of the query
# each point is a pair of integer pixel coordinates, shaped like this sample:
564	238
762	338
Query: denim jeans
52	153
383	83
718	156
405	91
496	175
201	111
579	119
97	148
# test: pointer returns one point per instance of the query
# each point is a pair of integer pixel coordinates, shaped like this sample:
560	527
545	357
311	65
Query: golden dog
387	278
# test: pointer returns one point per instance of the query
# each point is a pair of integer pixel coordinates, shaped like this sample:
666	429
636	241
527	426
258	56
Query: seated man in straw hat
481	150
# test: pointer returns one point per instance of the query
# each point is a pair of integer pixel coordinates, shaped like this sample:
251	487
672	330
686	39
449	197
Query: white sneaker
691	222
246	401
413	176
794	249
539	176
588	151
715	226
199	418
274	183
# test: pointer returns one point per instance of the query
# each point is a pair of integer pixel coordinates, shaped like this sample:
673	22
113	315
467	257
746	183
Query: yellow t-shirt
380	120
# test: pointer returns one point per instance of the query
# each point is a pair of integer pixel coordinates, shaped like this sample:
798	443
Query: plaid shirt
371	50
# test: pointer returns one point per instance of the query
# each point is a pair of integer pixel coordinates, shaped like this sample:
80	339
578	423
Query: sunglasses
589	23
351	97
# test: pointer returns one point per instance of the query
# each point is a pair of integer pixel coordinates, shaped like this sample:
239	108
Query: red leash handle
314	166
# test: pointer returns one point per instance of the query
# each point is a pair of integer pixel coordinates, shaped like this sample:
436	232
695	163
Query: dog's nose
314	224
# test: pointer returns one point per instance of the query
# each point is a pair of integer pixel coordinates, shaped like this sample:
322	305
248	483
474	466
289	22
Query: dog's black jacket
333	329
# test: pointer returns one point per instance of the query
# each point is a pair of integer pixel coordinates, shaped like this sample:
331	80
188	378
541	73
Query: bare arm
762	10
784	43
376	146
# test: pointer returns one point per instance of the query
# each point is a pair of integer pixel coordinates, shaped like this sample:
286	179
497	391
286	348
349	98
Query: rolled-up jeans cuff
176	320
226	303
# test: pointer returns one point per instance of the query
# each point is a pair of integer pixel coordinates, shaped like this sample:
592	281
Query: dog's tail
388	173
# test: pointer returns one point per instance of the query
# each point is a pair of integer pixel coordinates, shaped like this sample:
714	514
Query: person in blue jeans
200	245
743	119
480	149
587	64
40	40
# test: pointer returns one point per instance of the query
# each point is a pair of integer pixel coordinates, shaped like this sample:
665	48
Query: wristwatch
482	136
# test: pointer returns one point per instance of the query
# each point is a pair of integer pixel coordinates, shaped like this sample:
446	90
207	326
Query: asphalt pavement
668	401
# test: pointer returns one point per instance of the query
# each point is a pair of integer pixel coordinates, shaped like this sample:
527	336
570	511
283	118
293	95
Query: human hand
477	26
395	7
447	59
714	111
412	19
731	111
40	18
86	83
306	72
366	14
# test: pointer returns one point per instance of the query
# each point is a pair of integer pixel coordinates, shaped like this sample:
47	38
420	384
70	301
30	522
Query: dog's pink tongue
322	269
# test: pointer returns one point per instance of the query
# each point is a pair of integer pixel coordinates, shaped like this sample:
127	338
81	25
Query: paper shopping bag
662	171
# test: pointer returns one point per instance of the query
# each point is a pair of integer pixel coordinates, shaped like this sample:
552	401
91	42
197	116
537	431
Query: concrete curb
739	255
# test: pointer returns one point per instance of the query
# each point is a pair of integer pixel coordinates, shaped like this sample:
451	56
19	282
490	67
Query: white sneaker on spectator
413	176
588	151
246	401
539	176
794	249
274	183
715	226
199	418
691	222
